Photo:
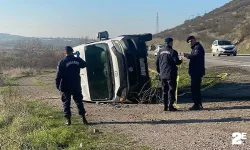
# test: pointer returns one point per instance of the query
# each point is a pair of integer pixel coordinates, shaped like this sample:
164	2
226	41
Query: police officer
196	70
68	82
166	63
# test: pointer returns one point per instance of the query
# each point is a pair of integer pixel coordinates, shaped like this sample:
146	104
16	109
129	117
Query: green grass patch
8	81
37	81
26	124
211	76
41	127
244	51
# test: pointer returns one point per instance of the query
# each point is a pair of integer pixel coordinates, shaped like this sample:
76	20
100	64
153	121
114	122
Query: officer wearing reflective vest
68	82
166	63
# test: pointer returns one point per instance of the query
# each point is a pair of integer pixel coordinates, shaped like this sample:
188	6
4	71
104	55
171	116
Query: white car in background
223	47
158	48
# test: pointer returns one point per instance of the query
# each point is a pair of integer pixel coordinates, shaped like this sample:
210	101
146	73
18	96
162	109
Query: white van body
116	68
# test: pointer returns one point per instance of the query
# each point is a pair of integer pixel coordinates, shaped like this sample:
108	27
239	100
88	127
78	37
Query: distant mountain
8	41
231	22
8	37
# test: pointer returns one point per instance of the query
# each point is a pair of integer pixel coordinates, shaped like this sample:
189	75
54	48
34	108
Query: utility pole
157	23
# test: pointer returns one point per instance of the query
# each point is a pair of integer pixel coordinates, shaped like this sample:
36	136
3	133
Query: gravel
149	125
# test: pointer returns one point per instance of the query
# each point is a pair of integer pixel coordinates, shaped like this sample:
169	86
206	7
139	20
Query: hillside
8	41
7	37
231	21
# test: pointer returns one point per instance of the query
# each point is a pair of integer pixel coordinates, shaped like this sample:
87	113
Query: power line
157	23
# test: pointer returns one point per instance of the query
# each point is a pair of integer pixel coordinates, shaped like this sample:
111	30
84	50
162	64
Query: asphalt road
241	58
240	61
213	61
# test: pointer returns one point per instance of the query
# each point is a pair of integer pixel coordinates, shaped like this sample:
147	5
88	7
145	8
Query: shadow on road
228	108
188	121
243	55
221	92
231	56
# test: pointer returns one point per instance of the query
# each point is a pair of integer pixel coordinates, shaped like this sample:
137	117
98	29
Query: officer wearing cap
166	63
196	70
68	82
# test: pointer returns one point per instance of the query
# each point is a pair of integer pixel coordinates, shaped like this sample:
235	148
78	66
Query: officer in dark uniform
166	63
68	82
196	70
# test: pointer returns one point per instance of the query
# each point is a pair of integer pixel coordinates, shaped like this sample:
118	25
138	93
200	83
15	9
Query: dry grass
29	59
29	124
180	46
184	78
30	54
19	72
212	26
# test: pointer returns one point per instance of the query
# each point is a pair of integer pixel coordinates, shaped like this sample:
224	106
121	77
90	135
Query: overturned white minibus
117	68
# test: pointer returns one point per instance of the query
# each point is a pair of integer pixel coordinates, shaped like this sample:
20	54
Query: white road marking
227	60
245	65
232	60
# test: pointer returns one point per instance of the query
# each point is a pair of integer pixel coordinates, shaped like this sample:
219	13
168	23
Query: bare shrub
222	22
30	53
18	72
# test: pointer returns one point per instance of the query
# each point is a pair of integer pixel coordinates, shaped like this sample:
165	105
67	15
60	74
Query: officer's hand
185	55
181	54
158	77
57	88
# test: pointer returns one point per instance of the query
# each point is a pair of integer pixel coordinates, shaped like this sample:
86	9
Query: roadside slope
149	125
31	118
231	21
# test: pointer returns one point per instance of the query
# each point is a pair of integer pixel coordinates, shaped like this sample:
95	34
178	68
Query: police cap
168	40
190	38
69	49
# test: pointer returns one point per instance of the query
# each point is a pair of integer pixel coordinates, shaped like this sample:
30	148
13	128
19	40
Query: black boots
84	120
68	121
196	107
170	108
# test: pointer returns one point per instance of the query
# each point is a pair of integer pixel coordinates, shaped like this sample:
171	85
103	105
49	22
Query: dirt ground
149	125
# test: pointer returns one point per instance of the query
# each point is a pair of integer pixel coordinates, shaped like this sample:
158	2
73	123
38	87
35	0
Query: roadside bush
19	72
30	54
222	23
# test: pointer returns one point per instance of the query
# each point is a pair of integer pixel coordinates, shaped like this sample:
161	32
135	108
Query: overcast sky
77	18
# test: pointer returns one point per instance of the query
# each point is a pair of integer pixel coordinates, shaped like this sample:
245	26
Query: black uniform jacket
166	63
68	74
